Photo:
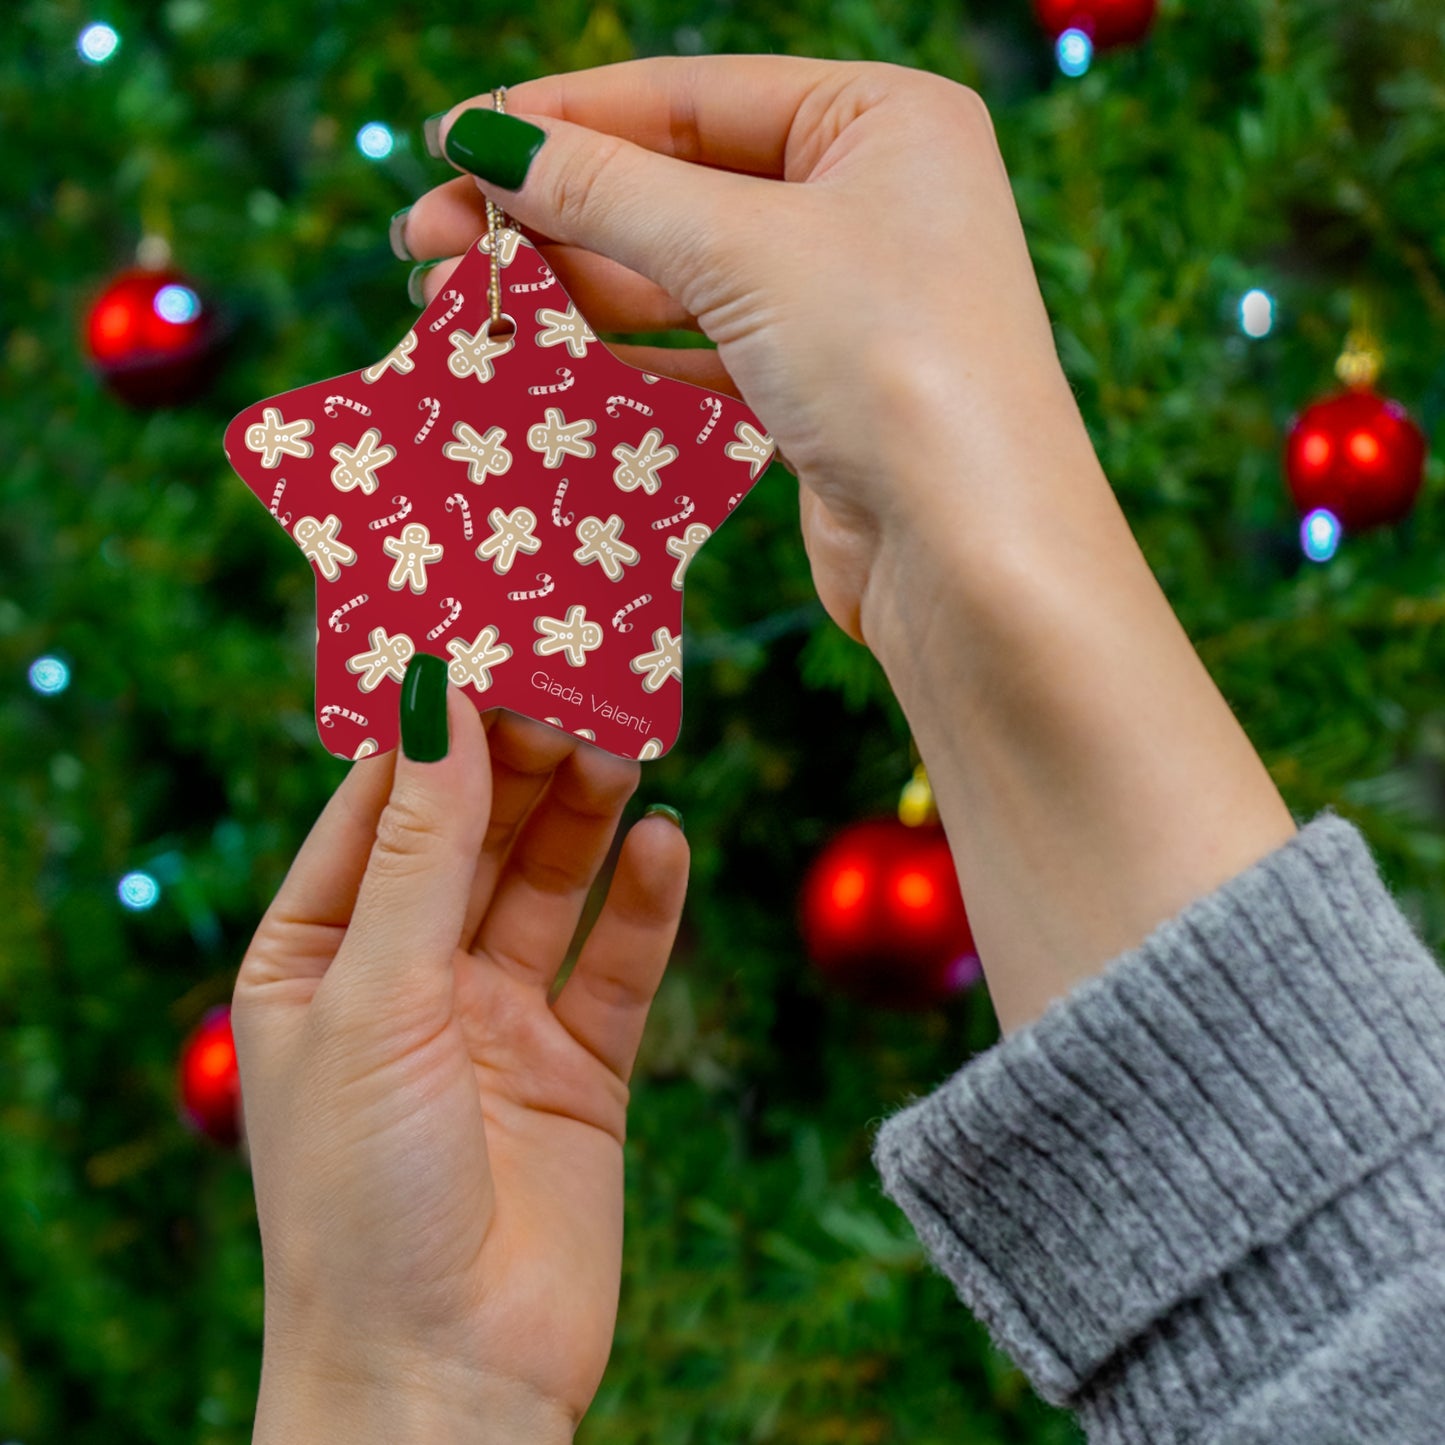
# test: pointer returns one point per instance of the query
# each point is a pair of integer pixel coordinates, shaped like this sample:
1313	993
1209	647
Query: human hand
880	313
437	1150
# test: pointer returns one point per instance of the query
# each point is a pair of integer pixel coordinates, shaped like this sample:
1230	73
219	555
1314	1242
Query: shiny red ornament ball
1358	455
152	337
1106	22
883	919
209	1080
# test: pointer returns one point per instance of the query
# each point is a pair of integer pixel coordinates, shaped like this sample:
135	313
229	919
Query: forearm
1091	778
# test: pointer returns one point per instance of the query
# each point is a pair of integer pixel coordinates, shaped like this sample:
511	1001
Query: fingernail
424	709
669	813
431	133
498	148
414	293
396	234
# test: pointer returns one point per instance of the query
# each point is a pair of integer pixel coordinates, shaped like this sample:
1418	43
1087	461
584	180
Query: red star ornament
525	507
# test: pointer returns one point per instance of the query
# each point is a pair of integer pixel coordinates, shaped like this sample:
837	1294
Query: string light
138	891
1075	52
177	304
375	140
97	43
49	675
1256	313
1320	535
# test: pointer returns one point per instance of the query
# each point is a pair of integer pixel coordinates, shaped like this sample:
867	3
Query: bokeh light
177	304
49	675
1256	313
97	43
1075	52
1320	535
138	891
375	141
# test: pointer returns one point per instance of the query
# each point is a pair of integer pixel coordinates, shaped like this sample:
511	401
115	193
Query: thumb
667	219
410	907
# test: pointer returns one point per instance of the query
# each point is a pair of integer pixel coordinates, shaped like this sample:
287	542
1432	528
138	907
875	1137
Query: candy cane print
734	500
276	502
458	500
632	606
686	503
557	517
331	712
335	623
454	610
457	300
548	279
547	585
431	421
404	508
567	379
332	402
648	377
613	402
711	422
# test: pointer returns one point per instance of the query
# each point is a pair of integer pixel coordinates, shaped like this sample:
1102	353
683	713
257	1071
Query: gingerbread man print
511	533
413	550
602	542
484	455
685	547
573	636
554	438
274	438
565	328
473	662
321	542
398	359
387	657
663	662
638	466
357	466
475	353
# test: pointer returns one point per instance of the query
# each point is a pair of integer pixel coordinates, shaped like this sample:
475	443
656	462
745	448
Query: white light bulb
1256	313
375	141
1075	52
97	43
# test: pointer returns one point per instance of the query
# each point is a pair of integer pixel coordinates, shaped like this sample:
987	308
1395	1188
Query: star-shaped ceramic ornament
525	508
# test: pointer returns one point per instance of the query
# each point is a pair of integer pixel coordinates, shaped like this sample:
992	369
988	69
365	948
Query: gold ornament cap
915	804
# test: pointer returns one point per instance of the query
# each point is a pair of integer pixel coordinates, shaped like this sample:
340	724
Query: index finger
734	112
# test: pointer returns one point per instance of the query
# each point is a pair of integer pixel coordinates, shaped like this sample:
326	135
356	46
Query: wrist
1091	778
400	1401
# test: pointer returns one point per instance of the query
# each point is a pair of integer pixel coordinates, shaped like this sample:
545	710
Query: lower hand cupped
437	1148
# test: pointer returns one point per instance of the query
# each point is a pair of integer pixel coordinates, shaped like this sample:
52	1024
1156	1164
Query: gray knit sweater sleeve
1201	1200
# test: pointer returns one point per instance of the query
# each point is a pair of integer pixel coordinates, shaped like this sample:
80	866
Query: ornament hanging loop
497	220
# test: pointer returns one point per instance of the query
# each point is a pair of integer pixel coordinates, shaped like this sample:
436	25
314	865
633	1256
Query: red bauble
1359	456
1106	22
152	338
883	918
209	1081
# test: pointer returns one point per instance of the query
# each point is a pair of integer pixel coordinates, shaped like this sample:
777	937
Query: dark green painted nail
498	148
670	813
431	133
424	709
414	293
396	234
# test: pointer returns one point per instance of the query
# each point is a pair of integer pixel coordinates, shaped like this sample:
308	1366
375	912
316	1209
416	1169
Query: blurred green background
771	1292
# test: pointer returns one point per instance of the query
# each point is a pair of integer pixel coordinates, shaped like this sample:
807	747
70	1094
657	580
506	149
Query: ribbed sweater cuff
1176	1160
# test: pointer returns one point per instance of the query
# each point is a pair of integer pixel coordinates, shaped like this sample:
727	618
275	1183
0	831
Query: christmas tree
1213	210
